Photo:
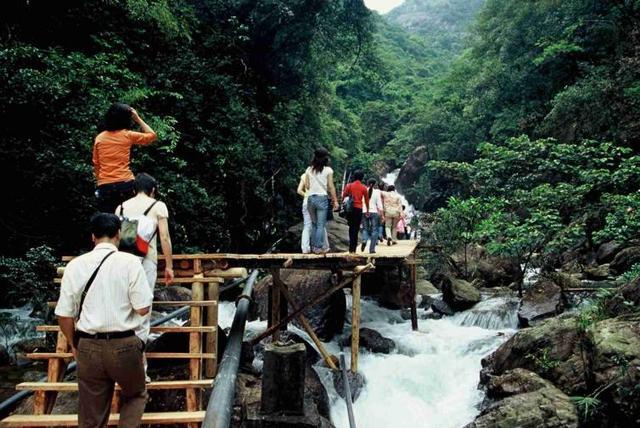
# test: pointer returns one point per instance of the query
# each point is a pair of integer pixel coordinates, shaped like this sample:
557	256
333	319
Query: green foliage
587	406
29	279
543	361
631	275
595	310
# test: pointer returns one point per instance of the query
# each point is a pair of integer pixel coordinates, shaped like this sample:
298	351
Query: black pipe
347	391
218	414
7	405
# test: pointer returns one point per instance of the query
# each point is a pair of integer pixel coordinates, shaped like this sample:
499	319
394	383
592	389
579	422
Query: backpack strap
121	210
149	209
91	279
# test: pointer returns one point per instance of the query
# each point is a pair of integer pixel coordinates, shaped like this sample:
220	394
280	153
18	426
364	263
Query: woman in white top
305	241
392	211
373	213
319	178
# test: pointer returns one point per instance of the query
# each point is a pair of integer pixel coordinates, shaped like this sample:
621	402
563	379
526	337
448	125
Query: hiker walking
112	152
305	240
392	210
372	217
319	178
100	325
359	194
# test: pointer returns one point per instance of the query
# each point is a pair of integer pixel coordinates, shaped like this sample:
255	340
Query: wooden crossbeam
169	303
73	386
162	418
151	355
181	281
158	329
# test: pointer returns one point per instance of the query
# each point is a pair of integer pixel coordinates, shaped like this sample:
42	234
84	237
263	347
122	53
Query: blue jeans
370	230
318	207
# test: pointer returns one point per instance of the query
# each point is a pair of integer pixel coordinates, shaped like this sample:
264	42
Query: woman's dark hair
117	117
358	175
404	208
105	224
372	184
320	159
145	183
391	188
382	185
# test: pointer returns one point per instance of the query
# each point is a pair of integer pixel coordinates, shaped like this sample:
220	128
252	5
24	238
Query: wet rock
326	318
597	272
387	287
496	272
629	293
614	362
5	357
431	316
542	301
373	341
169	294
531	402
607	251
426	301
513	382
411	169
459	294
30	345
425	287
356	383
624	260
440	307
566	280
551	348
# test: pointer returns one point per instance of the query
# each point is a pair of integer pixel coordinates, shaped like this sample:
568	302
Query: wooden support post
43	402
275	304
355	322
115	401
412	283
319	298
211	341
195	342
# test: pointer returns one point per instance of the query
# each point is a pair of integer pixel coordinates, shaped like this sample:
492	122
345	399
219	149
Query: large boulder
597	272
424	286
623	261
373	341
625	300
496	272
614	362
411	169
356	383
326	318
387	287
607	251
440	307
542	301
459	294
552	348
337	233
526	401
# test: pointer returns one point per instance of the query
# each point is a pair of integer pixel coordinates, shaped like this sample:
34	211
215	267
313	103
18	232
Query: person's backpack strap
147	212
91	279
121	210
149	209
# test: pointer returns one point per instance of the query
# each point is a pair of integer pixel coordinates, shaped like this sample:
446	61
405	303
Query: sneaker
362	246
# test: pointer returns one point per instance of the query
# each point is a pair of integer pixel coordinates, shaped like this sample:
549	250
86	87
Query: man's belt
107	336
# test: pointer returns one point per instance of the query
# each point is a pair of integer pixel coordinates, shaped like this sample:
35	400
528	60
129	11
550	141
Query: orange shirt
112	151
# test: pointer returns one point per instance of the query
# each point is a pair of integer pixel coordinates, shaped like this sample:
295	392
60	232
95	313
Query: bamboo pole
211	339
355	323
195	342
307	327
414	310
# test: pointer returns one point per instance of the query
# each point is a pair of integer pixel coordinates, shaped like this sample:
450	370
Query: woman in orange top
112	152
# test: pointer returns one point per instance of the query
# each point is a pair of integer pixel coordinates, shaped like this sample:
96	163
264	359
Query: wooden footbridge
204	273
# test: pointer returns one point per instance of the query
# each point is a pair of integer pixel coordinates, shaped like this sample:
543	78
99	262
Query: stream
432	376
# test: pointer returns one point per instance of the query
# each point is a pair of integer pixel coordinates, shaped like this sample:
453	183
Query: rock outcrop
526	401
623	261
459	294
411	169
542	301
373	341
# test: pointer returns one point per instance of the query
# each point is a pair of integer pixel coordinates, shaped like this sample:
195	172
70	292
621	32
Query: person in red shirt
360	194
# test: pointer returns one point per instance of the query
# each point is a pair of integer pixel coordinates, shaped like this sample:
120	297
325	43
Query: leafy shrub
29	278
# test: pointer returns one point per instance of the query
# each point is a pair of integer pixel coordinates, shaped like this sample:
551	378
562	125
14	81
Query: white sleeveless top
318	181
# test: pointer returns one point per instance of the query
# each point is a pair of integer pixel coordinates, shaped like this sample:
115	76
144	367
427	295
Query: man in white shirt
103	339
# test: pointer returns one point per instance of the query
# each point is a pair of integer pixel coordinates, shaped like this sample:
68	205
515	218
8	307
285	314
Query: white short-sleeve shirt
119	289
318	182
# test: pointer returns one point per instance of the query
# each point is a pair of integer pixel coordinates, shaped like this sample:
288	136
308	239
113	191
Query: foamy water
431	379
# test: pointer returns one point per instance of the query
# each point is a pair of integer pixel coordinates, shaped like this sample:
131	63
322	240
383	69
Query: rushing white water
431	379
16	324
410	210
